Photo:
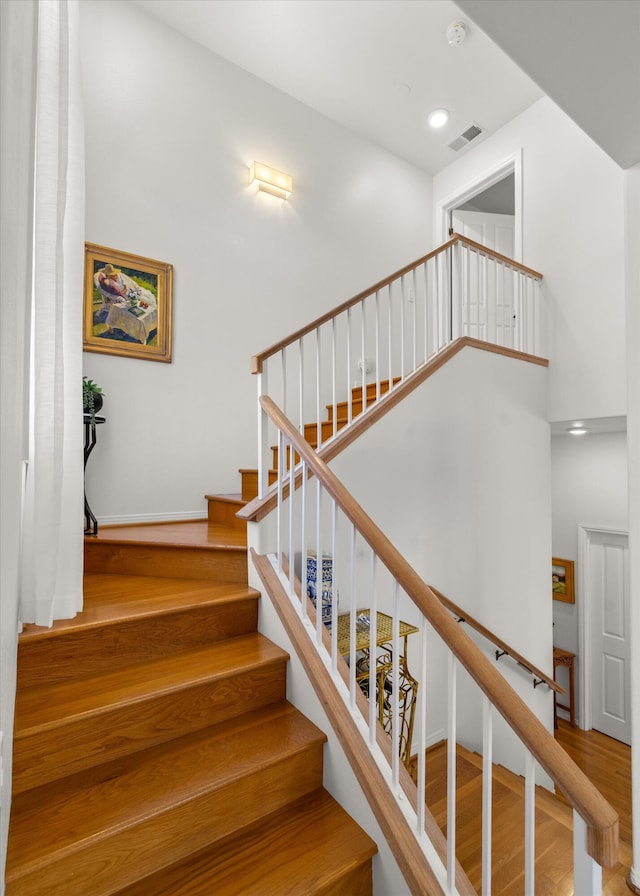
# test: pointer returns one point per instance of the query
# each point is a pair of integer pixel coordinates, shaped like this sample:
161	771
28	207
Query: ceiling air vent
465	138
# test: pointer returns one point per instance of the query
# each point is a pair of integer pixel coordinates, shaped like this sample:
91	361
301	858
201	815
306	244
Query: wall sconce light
271	181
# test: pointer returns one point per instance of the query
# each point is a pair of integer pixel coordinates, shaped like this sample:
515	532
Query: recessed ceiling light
438	118
577	430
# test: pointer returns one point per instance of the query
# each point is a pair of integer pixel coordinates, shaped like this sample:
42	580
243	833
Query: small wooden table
564	658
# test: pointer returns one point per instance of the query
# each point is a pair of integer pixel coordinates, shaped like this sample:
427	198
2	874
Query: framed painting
128	303
562	583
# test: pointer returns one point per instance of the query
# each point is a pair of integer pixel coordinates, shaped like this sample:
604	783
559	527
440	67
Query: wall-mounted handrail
600	820
258	360
539	677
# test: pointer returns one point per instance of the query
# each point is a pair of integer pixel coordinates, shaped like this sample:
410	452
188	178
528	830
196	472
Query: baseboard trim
633	887
138	519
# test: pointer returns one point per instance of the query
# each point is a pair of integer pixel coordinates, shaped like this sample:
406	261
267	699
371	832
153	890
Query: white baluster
403	299
395	687
334	590
318	562
451	774
352	617
377	344
487	782
390	334
303	539
263	434
422	737
318	388
425	273
281	451
439	301
373	660
349	393
530	825
587	874
363	351
285	388
292	492
414	360
301	384
334	415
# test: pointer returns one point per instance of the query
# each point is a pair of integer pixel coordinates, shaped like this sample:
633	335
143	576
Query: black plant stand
90	522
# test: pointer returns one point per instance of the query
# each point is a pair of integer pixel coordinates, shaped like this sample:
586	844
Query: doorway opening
489	209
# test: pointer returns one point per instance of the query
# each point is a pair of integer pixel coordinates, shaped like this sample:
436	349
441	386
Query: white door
610	649
492	321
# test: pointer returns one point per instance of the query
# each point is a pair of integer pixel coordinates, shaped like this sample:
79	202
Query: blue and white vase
326	584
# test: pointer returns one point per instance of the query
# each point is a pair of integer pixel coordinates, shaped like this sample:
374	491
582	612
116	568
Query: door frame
512	164
585	534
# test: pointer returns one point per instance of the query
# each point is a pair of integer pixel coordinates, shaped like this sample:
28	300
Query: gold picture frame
128	304
562	580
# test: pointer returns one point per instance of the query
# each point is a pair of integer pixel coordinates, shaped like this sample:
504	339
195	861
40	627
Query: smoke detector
456	33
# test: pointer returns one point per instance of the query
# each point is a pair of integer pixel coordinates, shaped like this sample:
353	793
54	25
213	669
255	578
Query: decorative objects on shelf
128	303
326	584
562	580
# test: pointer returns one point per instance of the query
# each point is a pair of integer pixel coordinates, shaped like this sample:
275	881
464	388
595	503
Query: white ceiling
378	67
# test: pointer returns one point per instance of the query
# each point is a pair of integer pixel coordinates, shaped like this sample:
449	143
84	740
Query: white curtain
38	58
17	121
52	540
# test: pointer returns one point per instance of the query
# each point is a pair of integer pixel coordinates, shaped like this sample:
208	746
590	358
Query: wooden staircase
250	476
155	751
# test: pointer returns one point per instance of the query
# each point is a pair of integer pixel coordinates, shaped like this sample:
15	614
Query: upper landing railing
390	331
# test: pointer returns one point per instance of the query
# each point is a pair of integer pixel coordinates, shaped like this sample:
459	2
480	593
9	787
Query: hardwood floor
607	762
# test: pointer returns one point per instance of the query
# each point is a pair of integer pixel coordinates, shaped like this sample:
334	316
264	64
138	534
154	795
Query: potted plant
92	397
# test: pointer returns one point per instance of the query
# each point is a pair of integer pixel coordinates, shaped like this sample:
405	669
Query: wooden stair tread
47	705
235	498
300	850
115	797
107	599
197	534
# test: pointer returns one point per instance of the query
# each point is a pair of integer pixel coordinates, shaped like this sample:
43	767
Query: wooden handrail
600	819
463	616
258	360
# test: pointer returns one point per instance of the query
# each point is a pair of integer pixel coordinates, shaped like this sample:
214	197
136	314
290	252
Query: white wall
170	132
573	233
462	476
589	487
632	210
